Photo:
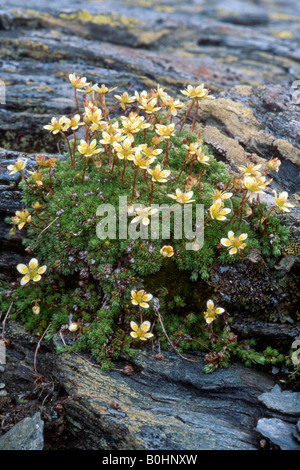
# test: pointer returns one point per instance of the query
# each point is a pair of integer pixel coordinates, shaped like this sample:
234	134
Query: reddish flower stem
151	194
76	99
196	115
266	221
166	161
124	170
191	167
134	181
186	116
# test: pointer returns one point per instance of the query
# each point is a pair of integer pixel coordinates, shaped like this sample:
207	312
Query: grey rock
26	435
169	404
278	432
286	402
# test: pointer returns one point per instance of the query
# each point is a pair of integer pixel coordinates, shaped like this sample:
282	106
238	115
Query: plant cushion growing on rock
105	221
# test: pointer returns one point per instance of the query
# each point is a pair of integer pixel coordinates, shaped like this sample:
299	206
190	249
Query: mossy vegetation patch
110	294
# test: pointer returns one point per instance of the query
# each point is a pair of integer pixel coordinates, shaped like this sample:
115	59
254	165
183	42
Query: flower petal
33	263
133	326
145	326
133	334
225	242
24	280
145	221
243	236
219	310
22	268
147	297
144	305
42	269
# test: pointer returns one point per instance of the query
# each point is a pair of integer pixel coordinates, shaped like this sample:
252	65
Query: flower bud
73	327
36	309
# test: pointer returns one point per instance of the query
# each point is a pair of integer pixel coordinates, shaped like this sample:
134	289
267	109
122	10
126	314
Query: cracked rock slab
26	435
286	402
278	432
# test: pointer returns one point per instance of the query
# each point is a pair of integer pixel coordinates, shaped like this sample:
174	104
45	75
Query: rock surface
284	401
26	435
247	54
279	433
169	405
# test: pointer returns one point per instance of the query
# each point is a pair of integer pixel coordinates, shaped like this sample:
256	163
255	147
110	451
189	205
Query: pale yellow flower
140	298
182	197
77	82
125	99
165	131
159	93
196	93
193	146
75	122
220	195
172	105
217	211
149	152
234	243
125	150
281	201
88	149
111	139
255	185
251	170
167	251
31	272
133	124
159	175
19	165
93	118
211	313
149	106
21	218
142	161
201	157
141	96
143	215
88	90
141	331
103	90
274	164
57	125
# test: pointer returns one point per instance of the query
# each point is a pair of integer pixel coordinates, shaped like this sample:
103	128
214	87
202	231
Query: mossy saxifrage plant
97	289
